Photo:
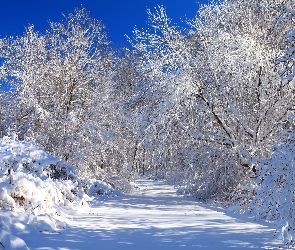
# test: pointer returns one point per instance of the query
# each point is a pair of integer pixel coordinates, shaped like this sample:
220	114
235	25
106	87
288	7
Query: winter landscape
183	139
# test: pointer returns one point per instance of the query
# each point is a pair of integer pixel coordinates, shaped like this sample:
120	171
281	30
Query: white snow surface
152	217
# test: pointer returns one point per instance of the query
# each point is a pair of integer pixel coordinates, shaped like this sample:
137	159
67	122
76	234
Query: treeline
195	106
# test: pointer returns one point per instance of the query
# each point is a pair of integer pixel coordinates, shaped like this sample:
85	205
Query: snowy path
155	218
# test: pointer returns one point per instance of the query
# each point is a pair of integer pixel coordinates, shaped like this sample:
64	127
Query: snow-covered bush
94	188
40	190
218	182
34	181
275	186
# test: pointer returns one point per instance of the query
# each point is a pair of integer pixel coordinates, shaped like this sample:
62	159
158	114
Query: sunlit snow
154	217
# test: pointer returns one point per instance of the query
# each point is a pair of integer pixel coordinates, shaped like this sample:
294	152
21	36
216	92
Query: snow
38	192
154	217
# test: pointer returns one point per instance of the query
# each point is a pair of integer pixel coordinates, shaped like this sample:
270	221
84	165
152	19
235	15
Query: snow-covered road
153	218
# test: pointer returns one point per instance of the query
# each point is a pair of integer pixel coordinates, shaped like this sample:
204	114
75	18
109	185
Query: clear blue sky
119	16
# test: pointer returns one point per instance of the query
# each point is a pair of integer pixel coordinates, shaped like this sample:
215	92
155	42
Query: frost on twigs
286	19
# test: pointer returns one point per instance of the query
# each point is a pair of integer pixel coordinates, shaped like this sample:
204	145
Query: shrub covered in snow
31	179
275	186
97	188
39	189
35	181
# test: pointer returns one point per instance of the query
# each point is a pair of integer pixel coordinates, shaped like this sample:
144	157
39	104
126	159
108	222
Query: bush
33	180
275	187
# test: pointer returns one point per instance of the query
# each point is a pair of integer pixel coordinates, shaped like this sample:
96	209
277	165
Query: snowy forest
208	108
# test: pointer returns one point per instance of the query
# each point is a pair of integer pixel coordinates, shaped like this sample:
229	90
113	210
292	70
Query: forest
208	108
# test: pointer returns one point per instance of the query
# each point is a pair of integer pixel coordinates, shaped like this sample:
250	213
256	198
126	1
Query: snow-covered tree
238	86
56	75
283	25
213	92
164	47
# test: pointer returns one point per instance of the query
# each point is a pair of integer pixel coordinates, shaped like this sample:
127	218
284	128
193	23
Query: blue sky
119	16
